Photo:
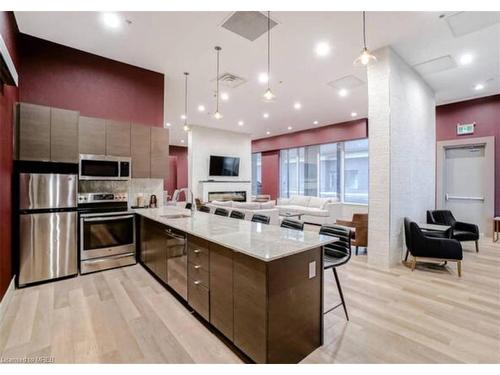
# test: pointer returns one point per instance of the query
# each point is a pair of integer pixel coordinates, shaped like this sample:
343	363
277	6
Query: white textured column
402	142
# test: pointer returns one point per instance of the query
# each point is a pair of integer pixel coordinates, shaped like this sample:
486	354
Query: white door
464	184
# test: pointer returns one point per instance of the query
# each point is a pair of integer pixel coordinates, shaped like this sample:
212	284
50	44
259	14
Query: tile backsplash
146	187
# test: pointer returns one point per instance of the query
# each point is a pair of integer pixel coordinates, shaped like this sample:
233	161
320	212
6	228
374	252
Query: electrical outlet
312	269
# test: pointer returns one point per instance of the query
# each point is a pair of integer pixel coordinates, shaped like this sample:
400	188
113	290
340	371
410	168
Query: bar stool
258	218
188	206
221	212
292	224
237	215
204	209
336	254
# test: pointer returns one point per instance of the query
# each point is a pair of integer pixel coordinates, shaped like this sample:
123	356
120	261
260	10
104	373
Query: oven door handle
111	218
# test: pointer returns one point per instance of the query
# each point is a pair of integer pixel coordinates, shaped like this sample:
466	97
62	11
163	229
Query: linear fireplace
237	196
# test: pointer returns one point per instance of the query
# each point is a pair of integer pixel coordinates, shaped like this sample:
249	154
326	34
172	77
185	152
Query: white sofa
313	209
249	208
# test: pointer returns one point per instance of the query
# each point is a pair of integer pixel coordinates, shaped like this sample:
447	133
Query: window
256	173
334	170
356	171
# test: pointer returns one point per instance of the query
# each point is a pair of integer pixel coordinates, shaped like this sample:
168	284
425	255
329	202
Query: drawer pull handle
197	282
196	251
197	267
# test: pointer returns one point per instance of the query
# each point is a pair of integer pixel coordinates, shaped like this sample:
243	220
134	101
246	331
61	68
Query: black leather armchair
422	246
460	231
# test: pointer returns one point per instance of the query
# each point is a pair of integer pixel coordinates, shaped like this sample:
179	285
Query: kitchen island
259	285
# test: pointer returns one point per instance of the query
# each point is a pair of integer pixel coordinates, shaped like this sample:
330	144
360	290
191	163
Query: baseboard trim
7	297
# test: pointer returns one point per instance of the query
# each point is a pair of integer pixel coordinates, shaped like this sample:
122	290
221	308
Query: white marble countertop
261	241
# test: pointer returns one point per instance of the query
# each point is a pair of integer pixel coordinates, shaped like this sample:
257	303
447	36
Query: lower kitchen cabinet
154	248
221	289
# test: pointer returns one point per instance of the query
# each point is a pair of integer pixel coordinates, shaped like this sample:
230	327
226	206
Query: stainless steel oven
104	167
107	232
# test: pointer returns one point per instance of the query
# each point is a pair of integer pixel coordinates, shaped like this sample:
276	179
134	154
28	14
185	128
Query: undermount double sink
175	216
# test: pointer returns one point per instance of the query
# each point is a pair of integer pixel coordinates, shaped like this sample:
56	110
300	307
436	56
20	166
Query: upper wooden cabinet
46	134
159	152
63	135
33	132
140	147
117	138
91	136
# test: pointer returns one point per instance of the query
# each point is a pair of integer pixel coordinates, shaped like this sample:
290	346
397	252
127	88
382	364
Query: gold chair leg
459	268
413	264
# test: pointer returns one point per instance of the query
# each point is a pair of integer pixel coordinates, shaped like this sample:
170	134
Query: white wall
203	142
402	143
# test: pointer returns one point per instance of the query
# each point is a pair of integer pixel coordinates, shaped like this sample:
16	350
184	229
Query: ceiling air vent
230	80
435	65
347	82
463	23
249	25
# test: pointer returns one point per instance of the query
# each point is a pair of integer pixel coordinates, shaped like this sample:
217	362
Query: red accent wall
179	164
64	77
270	173
326	134
8	96
485	112
270	147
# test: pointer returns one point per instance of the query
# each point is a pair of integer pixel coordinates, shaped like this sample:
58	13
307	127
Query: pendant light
366	57
217	114
268	95
186	127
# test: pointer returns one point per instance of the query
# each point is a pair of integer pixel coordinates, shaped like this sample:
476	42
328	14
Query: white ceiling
175	42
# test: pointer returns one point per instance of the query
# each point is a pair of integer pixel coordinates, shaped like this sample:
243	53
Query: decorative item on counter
153	202
140	200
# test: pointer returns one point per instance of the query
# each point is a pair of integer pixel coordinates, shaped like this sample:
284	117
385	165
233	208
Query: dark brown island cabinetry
271	311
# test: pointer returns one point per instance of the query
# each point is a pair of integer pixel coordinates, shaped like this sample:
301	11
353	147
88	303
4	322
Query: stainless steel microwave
104	167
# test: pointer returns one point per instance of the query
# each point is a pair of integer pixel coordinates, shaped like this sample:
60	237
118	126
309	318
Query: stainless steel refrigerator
47	226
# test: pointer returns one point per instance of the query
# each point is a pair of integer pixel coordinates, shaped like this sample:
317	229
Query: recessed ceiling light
168	124
263	78
315	122
183	117
466	59
343	92
241	123
182	140
111	20
297	105
478	87
201	108
186	128
268	132
265	115
224	96
322	49
353	114
290	128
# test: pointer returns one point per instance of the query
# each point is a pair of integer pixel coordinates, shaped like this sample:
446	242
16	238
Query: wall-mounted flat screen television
224	166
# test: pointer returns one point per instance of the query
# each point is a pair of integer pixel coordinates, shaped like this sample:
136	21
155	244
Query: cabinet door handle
197	267
197	282
196	251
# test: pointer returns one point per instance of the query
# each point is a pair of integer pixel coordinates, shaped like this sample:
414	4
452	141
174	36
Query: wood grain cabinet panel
33	132
198	298
221	289
250	306
159	152
117	138
140	150
91	136
63	135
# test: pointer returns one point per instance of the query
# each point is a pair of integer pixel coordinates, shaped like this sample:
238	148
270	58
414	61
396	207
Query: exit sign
464	129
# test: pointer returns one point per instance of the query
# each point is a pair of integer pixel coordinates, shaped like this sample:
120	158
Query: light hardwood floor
397	316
